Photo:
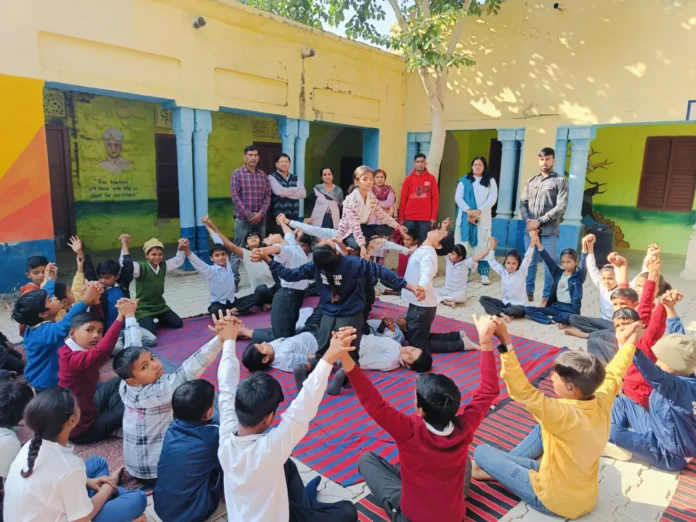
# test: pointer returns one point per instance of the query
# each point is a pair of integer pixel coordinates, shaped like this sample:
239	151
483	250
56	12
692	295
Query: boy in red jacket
433	444
85	351
420	199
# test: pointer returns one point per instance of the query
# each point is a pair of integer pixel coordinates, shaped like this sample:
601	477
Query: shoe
612	451
468	343
300	373
337	383
485	280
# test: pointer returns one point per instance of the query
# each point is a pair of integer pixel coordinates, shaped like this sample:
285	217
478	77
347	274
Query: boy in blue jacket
665	434
43	337
189	484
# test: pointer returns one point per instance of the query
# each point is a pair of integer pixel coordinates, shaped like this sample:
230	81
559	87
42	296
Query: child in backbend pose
566	291
457	275
514	277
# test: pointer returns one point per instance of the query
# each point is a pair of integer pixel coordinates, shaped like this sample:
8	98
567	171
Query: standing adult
386	197
420	199
251	195
475	196
285	193
328	199
543	203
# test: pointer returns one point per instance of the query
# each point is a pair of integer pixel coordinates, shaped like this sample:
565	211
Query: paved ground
628	491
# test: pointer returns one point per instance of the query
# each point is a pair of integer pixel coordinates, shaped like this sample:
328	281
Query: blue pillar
506	187
561	149
517	225
203	125
288	128
300	149
370	150
411	151
572	227
183	123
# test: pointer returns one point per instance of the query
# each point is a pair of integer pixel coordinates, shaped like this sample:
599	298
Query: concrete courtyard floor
628	491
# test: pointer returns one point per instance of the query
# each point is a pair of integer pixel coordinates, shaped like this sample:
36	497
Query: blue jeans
423	227
556	313
549	243
125	506
640	439
512	469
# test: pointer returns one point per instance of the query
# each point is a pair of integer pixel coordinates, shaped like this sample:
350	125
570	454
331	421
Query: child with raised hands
572	430
48	482
457	269
433	442
261	482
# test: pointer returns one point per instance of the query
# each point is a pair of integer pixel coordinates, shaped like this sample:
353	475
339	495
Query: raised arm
228	380
616	369
201	267
582	268
178	260
669	386
553	267
527	260
303	273
321	233
220	238
382	273
102	351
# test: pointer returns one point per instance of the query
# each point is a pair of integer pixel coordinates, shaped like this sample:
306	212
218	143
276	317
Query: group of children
193	447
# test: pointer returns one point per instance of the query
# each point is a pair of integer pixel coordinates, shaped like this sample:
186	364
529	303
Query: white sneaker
468	343
485	280
614	452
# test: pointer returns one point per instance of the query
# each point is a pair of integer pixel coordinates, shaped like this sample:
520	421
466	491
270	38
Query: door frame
68	172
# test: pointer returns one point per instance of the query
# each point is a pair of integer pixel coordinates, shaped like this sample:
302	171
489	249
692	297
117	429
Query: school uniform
397	334
379	353
456	280
9	447
287	301
566	293
513	285
220	283
262	282
606	309
292	351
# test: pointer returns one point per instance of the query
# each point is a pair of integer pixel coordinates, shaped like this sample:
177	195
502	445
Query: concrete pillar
411	150
506	187
561	149
299	159
370	150
288	128
517	225
519	136
690	273
203	126
183	123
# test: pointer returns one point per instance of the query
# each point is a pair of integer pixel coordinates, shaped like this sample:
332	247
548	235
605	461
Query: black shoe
338	382
300	372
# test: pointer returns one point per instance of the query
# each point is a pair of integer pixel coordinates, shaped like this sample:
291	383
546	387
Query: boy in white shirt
262	484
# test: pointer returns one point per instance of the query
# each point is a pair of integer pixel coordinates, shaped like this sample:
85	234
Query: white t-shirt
421	270
9	447
563	292
258	273
55	492
457	274
291	255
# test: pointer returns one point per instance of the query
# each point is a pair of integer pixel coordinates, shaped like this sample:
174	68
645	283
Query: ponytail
34	447
327	260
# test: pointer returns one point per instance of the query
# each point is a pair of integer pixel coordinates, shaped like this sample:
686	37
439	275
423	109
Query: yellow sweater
573	432
78	290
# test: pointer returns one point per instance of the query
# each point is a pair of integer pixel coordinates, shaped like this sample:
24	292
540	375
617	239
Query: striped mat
487	501
683	505
342	430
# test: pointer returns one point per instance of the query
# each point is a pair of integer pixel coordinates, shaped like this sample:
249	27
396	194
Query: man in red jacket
431	481
420	199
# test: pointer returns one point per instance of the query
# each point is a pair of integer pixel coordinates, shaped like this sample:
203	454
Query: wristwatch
502	348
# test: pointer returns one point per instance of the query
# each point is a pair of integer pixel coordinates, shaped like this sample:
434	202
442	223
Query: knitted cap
152	243
677	351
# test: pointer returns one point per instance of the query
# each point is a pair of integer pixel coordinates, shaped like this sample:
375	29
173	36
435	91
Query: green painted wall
623	147
470	144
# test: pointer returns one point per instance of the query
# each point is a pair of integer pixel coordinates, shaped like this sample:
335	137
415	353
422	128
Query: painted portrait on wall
113	143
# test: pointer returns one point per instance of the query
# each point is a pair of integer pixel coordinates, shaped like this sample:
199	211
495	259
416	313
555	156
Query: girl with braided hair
47	481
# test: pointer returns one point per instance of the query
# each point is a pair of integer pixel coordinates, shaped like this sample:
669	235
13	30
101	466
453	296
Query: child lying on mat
572	430
147	392
447	342
433	443
262	483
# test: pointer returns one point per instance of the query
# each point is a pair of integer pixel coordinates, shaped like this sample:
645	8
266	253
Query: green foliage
424	40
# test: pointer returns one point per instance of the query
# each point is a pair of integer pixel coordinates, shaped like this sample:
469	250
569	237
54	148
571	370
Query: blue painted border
688	109
13	259
107	92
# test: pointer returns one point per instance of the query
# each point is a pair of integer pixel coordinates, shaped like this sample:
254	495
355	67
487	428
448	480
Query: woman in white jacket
476	194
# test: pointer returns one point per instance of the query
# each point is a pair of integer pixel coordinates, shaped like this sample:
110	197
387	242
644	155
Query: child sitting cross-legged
86	349
457	271
146	392
43	337
572	430
190	483
36	270
14	398
566	290
48	482
433	443
262	483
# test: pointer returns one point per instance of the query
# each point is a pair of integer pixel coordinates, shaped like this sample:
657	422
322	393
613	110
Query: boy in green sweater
149	284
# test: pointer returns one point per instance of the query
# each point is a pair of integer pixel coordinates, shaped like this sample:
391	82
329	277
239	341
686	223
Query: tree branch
456	34
399	15
424	8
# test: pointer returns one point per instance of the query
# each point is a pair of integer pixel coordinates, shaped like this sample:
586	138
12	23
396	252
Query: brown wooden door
62	201
348	166
167	176
268	153
495	157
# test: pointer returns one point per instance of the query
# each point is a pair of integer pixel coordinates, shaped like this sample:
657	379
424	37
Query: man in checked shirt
542	205
251	195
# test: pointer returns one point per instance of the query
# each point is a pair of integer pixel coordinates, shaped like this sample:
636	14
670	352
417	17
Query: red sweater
432	466
635	387
420	198
79	373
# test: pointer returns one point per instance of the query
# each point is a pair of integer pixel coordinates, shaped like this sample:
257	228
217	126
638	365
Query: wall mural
113	143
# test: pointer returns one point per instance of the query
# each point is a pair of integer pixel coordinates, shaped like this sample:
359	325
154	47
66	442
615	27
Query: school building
122	116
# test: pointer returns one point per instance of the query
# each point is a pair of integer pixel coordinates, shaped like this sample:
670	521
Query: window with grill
167	176
668	180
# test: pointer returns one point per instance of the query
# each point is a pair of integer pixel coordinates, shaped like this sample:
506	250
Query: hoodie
420	198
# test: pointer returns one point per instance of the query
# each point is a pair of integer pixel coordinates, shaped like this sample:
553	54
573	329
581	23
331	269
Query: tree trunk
434	83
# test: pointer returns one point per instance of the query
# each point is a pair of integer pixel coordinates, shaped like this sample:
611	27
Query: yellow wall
242	59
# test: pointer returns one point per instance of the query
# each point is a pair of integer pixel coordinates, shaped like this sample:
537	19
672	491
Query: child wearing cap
149	285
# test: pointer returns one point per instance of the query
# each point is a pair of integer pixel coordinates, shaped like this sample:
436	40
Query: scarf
469	231
364	208
382	193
